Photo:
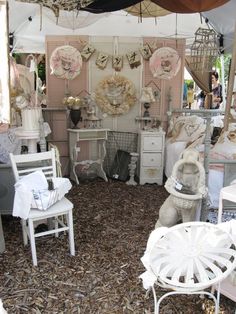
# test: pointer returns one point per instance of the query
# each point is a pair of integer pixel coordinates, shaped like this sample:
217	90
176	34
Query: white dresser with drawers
151	150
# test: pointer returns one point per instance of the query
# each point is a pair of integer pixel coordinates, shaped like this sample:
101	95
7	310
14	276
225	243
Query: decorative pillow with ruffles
187	129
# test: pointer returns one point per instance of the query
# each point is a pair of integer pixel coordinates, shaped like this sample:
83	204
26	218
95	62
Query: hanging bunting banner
134	59
117	63
102	60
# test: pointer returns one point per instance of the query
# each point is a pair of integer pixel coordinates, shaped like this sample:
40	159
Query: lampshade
147	95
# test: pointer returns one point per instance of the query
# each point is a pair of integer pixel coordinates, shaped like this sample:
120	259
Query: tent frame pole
230	84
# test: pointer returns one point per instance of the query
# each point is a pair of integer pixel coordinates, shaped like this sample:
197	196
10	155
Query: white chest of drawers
151	150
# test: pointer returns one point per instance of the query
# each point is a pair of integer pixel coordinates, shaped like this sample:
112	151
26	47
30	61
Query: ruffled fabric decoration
165	63
66	62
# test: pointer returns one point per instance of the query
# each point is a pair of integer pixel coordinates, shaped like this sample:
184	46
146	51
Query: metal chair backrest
27	163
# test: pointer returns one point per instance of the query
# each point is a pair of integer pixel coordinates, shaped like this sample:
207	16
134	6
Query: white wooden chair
188	258
28	163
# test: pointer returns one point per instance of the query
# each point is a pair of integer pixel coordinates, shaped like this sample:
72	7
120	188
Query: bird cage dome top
204	49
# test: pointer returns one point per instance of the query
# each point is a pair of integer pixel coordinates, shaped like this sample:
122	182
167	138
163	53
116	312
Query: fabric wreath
165	63
115	95
66	62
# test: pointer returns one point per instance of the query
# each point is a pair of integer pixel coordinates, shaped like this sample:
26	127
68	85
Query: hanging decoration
115	95
102	60
146	9
165	63
73	19
146	52
204	50
57	5
134	59
66	62
87	52
117	63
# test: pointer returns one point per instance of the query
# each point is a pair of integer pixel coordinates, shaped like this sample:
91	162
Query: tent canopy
28	37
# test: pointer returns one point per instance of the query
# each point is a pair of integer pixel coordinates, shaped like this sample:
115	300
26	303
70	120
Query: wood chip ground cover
112	222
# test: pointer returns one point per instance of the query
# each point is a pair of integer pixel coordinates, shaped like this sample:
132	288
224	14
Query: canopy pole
230	84
222	63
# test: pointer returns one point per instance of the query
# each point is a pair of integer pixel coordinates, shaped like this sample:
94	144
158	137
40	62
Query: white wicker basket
43	199
183	203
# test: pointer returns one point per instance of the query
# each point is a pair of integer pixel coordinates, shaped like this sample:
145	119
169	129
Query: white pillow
187	128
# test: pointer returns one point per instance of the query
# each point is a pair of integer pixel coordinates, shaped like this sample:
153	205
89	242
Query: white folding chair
188	258
26	164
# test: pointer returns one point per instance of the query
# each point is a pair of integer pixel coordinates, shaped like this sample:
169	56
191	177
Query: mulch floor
112	222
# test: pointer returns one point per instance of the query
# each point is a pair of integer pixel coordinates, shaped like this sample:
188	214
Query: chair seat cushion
60	207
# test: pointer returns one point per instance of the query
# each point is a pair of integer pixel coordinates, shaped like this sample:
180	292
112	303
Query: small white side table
31	137
96	139
151	150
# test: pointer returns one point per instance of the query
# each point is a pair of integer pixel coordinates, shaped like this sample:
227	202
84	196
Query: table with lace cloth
9	143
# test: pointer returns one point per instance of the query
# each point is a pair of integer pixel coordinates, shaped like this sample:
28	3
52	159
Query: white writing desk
96	150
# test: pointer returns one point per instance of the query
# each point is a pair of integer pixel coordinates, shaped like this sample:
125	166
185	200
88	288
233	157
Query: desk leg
102	153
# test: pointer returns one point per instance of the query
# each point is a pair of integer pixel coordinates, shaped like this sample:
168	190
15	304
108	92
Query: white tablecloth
9	143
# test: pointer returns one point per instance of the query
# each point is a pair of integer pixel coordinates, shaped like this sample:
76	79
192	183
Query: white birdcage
204	50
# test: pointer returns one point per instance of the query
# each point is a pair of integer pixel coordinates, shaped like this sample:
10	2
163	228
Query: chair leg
24	232
32	242
56	226
71	233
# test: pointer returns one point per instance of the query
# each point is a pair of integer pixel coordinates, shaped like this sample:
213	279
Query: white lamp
147	98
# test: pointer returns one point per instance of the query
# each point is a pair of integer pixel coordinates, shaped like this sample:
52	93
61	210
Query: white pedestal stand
132	168
31	137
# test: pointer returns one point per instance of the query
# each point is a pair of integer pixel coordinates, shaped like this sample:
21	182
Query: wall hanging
165	63
66	62
115	95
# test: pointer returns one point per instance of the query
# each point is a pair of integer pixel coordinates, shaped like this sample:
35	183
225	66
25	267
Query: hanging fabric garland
165	63
66	62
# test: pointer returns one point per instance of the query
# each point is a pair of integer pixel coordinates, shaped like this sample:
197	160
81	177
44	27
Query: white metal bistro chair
26	164
188	258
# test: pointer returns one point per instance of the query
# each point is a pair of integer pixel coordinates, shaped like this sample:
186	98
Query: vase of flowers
74	105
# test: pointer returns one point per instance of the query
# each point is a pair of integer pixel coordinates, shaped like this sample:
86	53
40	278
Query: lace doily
165	63
115	95
66	62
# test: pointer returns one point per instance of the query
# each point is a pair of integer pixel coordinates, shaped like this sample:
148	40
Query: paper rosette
165	63
66	62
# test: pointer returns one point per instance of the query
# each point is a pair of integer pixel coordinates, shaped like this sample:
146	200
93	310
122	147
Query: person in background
216	91
201	99
185	92
190	95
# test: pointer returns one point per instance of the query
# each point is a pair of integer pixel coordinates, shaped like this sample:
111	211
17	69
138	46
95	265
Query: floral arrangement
72	103
115	95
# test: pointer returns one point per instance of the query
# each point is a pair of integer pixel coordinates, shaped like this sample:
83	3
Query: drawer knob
153	143
152	159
